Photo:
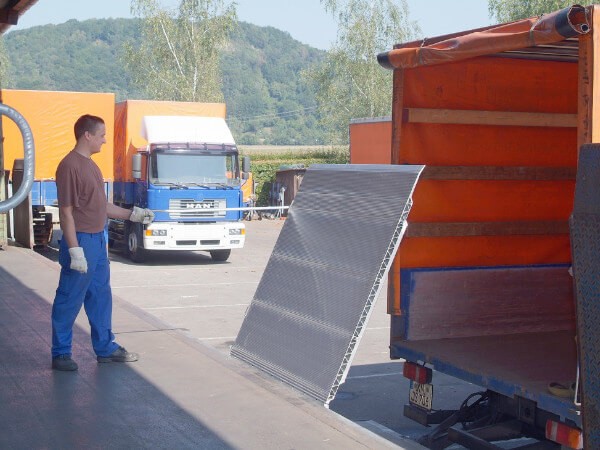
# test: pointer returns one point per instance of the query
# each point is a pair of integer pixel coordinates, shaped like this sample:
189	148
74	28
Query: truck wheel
220	255
134	250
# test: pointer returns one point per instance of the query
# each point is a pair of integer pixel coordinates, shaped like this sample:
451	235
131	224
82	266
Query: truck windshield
194	169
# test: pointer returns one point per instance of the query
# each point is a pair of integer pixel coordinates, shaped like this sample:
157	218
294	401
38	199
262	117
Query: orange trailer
480	286
51	116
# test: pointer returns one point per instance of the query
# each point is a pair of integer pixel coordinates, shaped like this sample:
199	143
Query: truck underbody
514	374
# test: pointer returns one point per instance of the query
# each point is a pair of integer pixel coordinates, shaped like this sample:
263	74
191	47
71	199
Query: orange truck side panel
491	84
485	84
491	201
371	142
477	251
488	84
51	116
494	84
484	145
128	124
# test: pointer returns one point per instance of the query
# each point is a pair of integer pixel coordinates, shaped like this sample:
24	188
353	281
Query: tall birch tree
179	54
4	64
350	83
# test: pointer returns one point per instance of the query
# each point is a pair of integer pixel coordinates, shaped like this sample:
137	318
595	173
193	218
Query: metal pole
248	208
28	161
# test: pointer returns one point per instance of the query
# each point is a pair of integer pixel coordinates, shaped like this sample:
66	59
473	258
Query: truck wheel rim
132	242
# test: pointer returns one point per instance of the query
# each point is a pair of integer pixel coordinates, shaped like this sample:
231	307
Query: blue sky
305	20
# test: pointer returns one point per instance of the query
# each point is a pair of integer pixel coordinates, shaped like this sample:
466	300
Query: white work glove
78	261
142	215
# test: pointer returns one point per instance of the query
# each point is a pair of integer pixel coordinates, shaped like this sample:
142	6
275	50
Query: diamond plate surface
585	247
326	269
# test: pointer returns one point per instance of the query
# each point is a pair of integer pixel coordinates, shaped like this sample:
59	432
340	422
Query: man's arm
136	214
116	212
67	225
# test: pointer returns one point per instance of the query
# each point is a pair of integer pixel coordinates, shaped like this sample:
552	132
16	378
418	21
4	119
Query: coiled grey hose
28	162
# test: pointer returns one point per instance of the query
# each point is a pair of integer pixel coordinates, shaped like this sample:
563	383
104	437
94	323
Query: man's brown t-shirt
79	184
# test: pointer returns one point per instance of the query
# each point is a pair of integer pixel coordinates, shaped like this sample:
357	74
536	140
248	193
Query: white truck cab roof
186	129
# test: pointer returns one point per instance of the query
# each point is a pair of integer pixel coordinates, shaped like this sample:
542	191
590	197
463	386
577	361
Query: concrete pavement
181	394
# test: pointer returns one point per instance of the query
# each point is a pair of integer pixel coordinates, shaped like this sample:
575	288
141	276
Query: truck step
484	438
42	229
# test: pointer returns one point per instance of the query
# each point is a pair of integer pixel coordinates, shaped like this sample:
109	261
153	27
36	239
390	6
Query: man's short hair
87	122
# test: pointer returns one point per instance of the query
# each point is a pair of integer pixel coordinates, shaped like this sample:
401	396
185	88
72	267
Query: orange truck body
51	116
480	285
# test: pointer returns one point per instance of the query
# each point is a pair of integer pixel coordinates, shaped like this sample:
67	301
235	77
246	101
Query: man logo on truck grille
198	206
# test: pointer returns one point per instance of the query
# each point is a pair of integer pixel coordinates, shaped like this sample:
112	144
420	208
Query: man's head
90	133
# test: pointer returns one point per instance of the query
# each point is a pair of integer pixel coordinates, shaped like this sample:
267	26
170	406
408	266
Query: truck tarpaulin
546	29
128	125
51	116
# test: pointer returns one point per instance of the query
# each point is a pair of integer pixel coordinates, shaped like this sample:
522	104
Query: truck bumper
182	236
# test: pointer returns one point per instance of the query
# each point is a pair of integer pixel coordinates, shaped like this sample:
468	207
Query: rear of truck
480	288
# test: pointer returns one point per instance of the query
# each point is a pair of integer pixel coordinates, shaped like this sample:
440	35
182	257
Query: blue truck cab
190	176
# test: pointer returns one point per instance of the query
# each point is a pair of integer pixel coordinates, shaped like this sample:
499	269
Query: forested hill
266	100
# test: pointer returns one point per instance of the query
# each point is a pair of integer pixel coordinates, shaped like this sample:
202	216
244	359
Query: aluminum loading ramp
314	298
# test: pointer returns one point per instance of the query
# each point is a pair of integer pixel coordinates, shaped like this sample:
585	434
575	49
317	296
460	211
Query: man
85	274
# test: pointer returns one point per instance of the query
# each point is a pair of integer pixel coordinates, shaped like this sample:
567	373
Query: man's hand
78	261
142	215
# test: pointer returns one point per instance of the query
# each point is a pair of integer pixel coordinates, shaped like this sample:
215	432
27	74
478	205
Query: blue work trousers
92	289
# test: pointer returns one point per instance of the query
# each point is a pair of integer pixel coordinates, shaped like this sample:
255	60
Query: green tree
510	10
4	63
350	83
260	72
179	53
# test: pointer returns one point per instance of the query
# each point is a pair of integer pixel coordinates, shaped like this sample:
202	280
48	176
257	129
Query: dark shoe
119	355
64	363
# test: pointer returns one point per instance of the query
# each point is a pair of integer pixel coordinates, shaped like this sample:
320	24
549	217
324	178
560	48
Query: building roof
11	10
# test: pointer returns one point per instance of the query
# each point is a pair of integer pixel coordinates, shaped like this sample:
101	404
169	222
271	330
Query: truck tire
135	252
220	255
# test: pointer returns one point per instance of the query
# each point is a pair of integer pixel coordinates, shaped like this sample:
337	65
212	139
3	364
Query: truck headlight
156	232
237	231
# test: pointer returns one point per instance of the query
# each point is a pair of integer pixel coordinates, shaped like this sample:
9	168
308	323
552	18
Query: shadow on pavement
367	394
98	406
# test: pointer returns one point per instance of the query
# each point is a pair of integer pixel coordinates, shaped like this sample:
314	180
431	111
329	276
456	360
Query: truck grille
187	208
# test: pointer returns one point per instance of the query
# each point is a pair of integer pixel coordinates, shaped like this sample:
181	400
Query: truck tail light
415	372
564	435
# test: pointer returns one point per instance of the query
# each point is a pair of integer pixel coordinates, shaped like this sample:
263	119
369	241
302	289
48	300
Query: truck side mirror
246	164
136	166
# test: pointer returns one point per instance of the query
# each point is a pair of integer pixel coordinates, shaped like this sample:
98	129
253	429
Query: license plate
421	395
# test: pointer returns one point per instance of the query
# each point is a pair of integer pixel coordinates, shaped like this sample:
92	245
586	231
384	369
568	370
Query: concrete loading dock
181	394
